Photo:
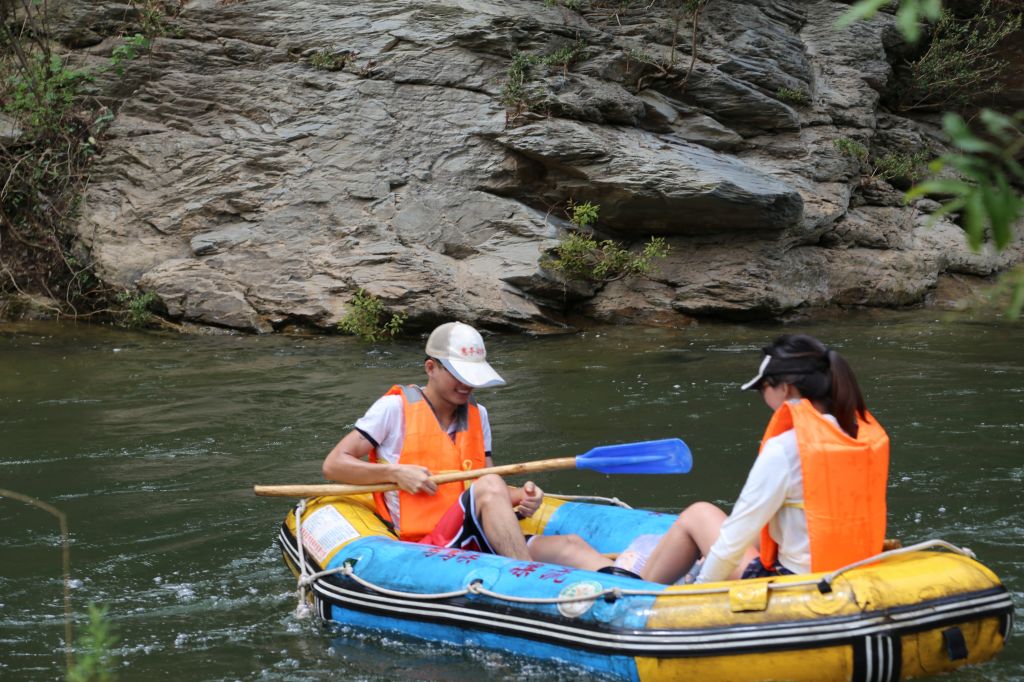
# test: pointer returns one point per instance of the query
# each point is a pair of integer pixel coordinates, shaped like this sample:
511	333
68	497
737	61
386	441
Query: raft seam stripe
634	640
634	647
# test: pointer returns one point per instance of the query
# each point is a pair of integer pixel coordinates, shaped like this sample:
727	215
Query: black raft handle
956	645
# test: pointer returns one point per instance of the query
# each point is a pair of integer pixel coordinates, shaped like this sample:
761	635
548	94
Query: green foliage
136	307
909	15
961	64
564	56
154	15
40	91
96	660
128	50
516	92
368	319
322	60
852	148
583	215
899	166
792	96
987	191
575	5
44	167
582	257
988	165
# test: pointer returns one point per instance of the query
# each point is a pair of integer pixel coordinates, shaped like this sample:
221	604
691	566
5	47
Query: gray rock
10	132
641	181
252	191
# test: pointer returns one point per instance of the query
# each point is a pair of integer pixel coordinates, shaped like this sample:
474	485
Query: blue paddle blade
667	456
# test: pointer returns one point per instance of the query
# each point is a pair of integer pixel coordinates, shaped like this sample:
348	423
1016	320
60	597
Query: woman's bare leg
690	536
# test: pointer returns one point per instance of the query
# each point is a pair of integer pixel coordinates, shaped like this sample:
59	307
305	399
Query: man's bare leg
494	511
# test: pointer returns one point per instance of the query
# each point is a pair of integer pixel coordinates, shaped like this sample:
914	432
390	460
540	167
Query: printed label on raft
575	609
324	531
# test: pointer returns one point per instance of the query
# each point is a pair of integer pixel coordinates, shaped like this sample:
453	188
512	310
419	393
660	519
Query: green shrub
961	63
580	256
323	60
909	14
792	96
369	319
136	307
39	91
129	50
516	93
851	148
575	5
96	658
988	169
44	168
900	166
583	215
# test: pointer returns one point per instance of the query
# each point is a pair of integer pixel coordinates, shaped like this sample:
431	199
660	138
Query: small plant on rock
575	5
851	148
370	320
517	94
582	257
136	307
900	167
127	51
323	60
798	98
962	62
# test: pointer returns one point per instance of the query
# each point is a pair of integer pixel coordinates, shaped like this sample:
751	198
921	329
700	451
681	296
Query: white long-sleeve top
775	480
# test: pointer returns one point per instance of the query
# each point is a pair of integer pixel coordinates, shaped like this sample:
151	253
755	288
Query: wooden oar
667	456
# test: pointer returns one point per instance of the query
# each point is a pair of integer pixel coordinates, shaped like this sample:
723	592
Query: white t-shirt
775	480
384	425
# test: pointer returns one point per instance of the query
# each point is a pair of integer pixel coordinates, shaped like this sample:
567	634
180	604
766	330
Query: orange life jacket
426	444
845	482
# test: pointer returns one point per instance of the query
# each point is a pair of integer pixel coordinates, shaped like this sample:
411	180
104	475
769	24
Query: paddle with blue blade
666	456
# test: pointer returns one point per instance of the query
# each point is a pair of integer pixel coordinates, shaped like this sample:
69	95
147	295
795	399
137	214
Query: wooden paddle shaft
326	489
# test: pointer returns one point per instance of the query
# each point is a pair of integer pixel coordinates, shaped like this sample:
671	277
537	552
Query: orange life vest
426	444
845	482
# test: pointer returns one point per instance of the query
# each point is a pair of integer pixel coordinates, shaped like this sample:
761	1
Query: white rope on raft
302	610
590	498
824	584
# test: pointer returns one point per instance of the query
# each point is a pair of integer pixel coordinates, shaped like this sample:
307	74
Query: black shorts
459	528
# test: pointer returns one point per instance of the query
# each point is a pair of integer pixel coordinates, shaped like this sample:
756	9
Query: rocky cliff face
249	189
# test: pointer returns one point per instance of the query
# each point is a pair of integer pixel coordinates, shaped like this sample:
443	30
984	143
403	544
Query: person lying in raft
412	431
815	494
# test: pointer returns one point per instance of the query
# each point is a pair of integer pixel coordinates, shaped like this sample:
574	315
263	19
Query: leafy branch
369	319
581	256
909	15
988	167
987	191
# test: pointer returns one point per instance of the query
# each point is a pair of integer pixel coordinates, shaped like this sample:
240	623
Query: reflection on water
150	443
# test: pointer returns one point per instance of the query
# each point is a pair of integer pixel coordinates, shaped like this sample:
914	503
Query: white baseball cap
460	348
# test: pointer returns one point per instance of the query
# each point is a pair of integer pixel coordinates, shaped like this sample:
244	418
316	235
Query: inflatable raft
908	613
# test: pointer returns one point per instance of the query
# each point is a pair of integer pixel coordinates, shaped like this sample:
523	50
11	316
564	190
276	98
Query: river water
150	443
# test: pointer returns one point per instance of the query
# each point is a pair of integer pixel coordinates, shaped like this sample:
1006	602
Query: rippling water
150	443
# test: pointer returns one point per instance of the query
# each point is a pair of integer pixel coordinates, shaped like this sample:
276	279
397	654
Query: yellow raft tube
907	613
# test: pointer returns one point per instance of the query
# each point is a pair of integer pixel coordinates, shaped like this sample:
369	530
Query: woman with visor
815	496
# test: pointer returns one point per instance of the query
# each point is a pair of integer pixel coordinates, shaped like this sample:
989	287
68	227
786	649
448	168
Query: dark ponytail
820	374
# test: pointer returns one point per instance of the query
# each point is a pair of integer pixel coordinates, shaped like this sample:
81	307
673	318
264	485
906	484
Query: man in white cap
414	431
